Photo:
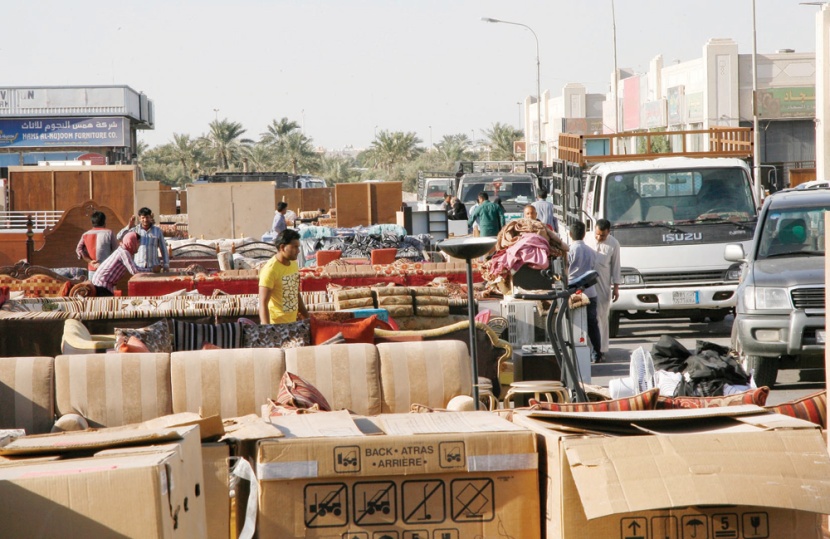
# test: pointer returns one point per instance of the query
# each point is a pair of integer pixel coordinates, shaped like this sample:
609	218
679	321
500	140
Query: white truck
672	216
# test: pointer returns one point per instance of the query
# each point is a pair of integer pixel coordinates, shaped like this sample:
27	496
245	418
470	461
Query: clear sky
347	67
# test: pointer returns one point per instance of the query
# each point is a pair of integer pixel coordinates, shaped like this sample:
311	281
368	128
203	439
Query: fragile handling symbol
422	501
325	500
379	504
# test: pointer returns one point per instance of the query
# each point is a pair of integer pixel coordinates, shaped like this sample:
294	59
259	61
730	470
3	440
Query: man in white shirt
609	279
544	210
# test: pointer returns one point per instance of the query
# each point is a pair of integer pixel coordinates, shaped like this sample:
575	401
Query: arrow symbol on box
634	526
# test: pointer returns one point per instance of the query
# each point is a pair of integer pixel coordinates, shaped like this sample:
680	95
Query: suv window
792	231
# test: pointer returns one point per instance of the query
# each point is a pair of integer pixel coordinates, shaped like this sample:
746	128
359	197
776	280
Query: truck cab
515	190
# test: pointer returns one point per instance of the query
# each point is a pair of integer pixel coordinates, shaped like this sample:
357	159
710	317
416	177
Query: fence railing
15	221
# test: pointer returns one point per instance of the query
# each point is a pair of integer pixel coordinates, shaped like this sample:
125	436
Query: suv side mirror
734	252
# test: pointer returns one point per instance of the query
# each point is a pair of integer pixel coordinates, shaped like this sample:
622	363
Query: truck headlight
734	272
765	298
631	276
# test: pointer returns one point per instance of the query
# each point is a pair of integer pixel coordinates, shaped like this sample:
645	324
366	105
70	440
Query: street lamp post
538	83
756	134
216	115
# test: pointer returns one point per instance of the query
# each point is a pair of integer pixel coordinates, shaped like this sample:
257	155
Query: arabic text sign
798	102
40	132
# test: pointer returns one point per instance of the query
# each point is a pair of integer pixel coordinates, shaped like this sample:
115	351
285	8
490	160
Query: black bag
669	355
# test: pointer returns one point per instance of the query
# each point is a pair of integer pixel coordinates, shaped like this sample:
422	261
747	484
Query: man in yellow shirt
279	282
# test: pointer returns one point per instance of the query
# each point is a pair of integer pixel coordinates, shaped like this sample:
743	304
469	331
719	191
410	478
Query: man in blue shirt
279	218
582	259
152	249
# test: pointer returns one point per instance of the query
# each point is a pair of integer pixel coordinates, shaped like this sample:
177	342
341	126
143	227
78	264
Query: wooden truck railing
713	142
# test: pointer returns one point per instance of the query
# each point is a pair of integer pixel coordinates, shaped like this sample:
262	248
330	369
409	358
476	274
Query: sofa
115	389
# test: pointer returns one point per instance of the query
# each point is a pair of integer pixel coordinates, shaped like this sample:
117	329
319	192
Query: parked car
780	311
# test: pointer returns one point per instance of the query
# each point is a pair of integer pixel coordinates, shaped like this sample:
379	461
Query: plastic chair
324	257
383	256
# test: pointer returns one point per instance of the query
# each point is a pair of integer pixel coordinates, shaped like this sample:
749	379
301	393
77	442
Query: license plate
821	336
685	298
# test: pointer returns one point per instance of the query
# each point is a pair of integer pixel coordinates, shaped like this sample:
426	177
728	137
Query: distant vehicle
780	313
515	190
282	180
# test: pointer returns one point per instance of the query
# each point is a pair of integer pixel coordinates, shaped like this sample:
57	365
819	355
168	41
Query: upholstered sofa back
27	393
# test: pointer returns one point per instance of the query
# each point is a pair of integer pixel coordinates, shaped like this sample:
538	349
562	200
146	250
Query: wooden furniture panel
167	202
293	197
59	242
314	199
31	191
387	198
115	189
71	189
353	202
183	202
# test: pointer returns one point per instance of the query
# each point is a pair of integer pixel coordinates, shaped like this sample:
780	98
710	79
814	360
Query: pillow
358	330
297	392
189	336
156	337
753	396
643	401
291	335
810	408
210	346
337	339
133	345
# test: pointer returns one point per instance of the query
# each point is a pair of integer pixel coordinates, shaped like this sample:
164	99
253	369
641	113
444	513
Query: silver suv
779	316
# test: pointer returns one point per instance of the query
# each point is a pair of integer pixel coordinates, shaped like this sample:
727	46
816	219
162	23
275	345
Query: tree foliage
500	139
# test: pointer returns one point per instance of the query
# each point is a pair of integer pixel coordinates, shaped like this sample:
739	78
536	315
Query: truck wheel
764	369
614	324
697	318
718	316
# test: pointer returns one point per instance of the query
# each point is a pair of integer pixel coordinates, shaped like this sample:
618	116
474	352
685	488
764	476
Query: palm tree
392	149
261	157
500	141
453	148
186	152
277	130
297	152
337	169
224	142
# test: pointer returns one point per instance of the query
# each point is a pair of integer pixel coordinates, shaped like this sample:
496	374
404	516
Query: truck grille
808	298
690	277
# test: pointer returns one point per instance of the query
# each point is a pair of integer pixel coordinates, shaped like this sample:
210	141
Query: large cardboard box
122	483
727	473
216	471
398	476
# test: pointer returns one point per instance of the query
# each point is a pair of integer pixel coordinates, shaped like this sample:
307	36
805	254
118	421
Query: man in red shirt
97	243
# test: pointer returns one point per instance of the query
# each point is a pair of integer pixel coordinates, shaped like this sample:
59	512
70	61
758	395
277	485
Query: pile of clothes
359	242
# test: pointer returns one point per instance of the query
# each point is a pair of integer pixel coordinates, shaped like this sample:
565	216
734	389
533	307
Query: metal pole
471	311
538	84
756	134
616	75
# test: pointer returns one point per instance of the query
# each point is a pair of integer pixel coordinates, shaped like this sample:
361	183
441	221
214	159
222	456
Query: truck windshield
514	192
437	189
679	196
793	232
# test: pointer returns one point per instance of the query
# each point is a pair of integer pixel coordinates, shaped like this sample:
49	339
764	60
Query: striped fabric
811	408
190	336
26	397
644	401
151	241
756	396
427	372
111	390
347	374
230	383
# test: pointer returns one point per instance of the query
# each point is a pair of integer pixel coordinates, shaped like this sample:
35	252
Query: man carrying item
97	243
490	216
279	282
582	259
545	211
279	218
111	270
609	279
529	212
151	241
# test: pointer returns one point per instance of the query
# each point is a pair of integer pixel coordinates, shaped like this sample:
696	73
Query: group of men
602	254
136	248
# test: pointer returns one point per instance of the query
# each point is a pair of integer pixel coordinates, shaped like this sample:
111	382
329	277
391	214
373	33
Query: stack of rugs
431	301
397	300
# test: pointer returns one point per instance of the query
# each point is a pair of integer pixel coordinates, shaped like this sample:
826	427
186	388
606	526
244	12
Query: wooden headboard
58	250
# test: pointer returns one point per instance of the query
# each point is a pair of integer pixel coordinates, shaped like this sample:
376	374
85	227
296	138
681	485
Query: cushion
357	330
230	383
291	335
111	390
133	345
429	372
337	339
810	408
70	422
156	337
347	374
210	346
27	393
753	396
333	316
294	391
644	401
189	336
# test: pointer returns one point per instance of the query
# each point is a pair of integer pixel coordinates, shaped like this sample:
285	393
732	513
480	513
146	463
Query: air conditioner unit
521	326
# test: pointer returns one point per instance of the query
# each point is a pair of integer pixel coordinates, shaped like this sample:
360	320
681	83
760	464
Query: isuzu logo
683	236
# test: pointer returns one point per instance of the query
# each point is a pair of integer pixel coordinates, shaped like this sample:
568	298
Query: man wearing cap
117	264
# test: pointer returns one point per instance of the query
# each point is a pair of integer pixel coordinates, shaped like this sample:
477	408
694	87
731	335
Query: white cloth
608	267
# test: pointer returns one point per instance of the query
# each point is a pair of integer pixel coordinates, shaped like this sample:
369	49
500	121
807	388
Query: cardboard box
216	471
398	476
113	487
726	473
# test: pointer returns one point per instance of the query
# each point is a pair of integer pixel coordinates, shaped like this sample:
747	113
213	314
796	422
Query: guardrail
16	221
